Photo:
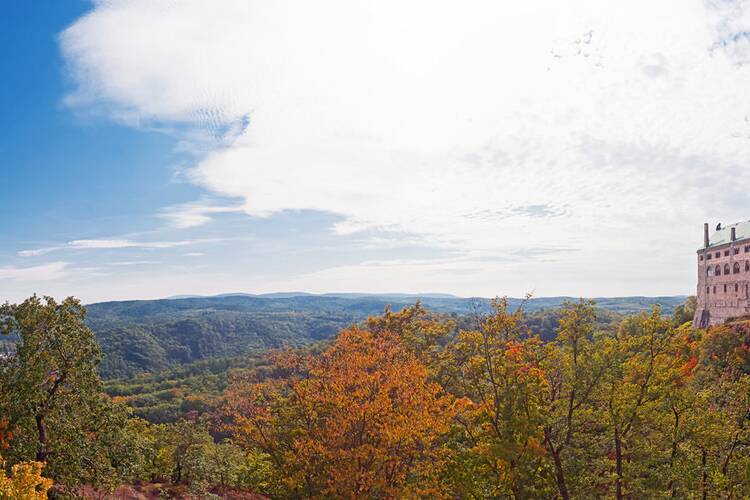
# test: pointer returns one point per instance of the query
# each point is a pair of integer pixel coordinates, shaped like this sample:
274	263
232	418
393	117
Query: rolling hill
150	335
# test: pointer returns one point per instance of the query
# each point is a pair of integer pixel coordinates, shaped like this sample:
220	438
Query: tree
502	439
574	369
26	481
632	396
51	392
360	419
685	311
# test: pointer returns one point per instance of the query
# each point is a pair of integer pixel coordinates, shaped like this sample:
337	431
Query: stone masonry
723	274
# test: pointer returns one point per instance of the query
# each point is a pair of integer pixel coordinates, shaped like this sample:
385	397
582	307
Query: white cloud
37	251
43	272
104	244
186	215
613	128
136	263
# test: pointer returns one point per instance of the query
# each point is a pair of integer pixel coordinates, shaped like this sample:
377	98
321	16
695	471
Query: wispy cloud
104	244
186	215
136	263
43	272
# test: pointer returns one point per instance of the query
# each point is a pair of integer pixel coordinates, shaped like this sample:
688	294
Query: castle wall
726	295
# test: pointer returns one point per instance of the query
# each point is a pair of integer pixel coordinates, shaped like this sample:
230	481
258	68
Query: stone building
723	274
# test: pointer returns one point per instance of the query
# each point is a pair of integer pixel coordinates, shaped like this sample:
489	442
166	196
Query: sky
151	148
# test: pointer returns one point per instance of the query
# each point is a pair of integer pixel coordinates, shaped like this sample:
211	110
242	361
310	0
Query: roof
724	235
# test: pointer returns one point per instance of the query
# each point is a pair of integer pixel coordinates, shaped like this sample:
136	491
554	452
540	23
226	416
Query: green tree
51	392
574	368
499	451
685	311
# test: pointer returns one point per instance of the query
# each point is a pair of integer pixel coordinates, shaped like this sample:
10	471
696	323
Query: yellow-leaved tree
26	481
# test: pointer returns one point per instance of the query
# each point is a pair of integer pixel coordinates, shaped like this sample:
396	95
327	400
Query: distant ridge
149	335
372	303
343	295
413	296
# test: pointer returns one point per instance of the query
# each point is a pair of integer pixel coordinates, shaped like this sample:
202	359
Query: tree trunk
41	454
618	465
704	479
562	488
672	488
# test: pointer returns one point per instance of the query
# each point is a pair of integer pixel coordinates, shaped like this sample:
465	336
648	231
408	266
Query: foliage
684	312
146	336
50	392
361	419
25	482
170	395
575	402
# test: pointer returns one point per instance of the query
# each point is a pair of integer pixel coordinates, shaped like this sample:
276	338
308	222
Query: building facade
723	275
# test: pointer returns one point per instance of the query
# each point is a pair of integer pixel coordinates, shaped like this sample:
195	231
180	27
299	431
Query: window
701	257
717	270
736	268
707	290
726	253
747	249
708	256
747	265
736	287
736	250
726	268
714	289
725	288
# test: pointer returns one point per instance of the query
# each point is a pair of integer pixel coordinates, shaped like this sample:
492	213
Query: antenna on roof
718	226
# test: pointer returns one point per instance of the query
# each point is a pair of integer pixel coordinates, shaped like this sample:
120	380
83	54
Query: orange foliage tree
360	419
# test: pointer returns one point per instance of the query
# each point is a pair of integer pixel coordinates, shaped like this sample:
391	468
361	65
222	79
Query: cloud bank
482	129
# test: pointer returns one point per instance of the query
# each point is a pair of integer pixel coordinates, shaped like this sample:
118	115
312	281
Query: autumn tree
722	381
632	395
500	451
426	334
574	368
359	420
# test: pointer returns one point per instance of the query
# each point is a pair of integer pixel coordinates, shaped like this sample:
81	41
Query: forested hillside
151	335
412	403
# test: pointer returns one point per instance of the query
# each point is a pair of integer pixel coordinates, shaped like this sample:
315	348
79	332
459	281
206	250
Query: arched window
736	268
726	268
717	270
709	271
747	265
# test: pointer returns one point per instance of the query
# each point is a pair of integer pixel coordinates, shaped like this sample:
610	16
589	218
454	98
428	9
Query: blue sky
152	148
55	162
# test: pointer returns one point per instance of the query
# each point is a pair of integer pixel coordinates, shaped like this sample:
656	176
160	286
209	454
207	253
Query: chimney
705	235
734	234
